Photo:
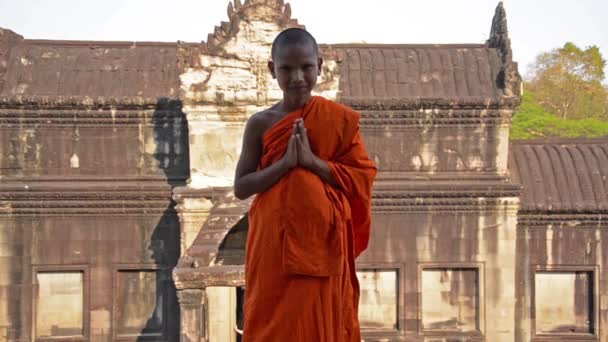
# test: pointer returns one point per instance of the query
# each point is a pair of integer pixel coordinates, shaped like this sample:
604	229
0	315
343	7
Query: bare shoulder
257	119
261	121
256	124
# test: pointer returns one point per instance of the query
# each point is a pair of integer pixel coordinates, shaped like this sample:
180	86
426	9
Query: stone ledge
362	103
80	102
186	277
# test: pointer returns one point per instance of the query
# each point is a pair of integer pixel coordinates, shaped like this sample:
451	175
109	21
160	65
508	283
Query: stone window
379	299
140	303
59	304
574	312
450	299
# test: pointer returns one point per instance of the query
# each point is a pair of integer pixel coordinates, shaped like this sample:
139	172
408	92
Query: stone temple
118	223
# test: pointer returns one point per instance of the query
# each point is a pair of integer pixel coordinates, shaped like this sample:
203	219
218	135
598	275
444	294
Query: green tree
568	82
533	121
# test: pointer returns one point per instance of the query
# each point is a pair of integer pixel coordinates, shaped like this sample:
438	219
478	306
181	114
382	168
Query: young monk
305	160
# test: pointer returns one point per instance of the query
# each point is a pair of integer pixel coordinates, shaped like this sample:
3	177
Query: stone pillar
193	208
500	269
192	315
15	278
221	309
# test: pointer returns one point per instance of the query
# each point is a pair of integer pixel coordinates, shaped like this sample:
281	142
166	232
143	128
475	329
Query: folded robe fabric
304	234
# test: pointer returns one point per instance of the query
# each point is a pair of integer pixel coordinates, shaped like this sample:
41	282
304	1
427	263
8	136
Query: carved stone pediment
245	19
231	67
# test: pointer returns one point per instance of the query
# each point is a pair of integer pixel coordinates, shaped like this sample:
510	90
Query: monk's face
296	67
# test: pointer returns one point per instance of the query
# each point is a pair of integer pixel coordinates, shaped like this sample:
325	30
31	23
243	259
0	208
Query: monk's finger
304	135
292	147
302	128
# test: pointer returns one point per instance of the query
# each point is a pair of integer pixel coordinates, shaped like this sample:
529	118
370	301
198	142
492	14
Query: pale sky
534	25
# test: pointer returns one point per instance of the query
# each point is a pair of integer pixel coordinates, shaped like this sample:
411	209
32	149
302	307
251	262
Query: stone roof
46	68
566	175
40	71
380	72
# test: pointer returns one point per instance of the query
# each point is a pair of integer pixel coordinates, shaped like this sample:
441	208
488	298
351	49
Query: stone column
191	315
499	252
221	308
193	208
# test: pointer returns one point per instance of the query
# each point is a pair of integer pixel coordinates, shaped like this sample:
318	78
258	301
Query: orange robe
304	234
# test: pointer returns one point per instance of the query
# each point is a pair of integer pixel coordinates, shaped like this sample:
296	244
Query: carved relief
233	69
416	162
55	143
242	15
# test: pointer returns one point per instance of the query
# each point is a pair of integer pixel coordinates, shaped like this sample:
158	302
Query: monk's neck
288	105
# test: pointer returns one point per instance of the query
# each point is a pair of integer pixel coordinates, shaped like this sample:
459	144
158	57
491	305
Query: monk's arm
258	181
248	181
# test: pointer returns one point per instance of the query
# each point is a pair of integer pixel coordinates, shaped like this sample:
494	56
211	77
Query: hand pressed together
290	159
305	156
298	149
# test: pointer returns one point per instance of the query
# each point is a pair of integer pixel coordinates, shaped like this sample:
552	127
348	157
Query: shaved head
294	36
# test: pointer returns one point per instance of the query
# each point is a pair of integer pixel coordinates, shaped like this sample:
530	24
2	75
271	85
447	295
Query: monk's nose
298	75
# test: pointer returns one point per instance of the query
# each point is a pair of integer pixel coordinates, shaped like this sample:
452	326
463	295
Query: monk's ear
320	65
271	69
